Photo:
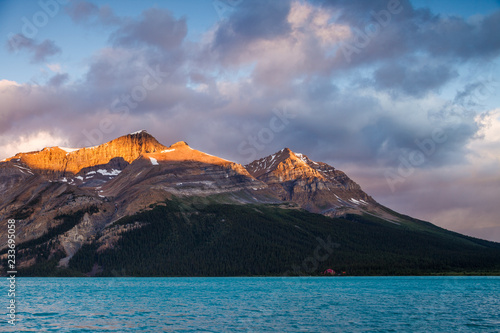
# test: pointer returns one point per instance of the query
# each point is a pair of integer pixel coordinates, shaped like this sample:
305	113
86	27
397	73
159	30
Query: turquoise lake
255	304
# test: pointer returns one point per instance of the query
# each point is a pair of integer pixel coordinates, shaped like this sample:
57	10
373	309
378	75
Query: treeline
228	240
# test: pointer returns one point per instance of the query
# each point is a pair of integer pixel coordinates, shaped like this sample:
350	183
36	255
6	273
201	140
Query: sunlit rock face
315	186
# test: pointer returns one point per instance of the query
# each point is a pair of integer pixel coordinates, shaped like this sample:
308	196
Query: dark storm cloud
39	51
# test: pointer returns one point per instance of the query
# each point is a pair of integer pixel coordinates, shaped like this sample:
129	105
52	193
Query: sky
401	95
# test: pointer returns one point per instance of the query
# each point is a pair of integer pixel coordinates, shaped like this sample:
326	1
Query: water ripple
395	304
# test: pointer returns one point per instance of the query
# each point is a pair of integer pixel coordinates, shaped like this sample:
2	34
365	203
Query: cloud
58	79
456	37
31	142
475	93
486	145
412	80
7	83
223	91
155	27
288	58
377	35
81	11
39	51
56	68
85	12
460	197
256	20
296	44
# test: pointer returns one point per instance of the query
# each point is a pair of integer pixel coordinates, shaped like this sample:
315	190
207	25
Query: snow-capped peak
138	132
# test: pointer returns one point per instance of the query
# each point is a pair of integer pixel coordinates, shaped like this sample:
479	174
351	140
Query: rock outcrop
316	186
57	162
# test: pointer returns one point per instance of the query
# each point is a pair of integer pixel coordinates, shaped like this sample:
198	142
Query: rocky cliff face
12	173
316	186
57	162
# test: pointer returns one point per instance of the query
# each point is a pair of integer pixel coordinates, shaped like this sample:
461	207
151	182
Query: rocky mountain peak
141	132
140	141
316	186
284	164
180	144
57	162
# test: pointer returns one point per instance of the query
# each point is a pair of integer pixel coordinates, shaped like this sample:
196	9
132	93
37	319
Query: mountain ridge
316	186
66	199
59	161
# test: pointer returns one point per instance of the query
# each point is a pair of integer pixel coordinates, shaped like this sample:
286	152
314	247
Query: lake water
304	304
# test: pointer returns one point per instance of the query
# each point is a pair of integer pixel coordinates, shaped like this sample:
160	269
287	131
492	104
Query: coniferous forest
184	239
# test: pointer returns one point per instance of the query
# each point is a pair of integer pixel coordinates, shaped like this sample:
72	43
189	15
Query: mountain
316	186
178	170
82	166
135	204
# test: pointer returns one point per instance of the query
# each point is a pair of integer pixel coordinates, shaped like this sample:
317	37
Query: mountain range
133	206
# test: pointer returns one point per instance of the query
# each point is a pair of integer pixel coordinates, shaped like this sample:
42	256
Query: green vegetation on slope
225	240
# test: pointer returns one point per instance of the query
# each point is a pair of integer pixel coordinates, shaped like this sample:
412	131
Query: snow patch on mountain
113	172
138	132
301	157
358	202
23	169
267	164
69	150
